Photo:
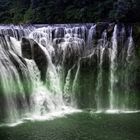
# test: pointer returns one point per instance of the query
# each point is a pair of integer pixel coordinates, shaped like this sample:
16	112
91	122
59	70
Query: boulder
40	58
32	50
26	48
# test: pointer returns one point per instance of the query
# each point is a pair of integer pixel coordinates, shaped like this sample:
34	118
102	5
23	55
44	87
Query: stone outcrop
31	50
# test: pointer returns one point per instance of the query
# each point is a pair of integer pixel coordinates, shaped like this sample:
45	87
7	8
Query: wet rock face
40	59
31	50
2	105
101	26
26	48
3	42
58	33
106	61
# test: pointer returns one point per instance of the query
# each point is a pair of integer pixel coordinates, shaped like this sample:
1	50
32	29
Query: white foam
49	116
115	111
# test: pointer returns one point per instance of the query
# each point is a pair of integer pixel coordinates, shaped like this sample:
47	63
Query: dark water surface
79	126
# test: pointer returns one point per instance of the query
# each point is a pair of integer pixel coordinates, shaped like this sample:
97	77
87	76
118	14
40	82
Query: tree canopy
68	11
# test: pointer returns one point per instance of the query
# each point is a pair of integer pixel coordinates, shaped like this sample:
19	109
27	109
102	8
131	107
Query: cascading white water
91	35
113	79
130	50
43	100
102	47
11	83
42	73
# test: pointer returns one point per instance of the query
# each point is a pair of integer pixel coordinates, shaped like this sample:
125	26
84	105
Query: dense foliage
68	11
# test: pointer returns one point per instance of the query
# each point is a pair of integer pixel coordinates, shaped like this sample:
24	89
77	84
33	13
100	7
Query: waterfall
113	79
102	46
46	69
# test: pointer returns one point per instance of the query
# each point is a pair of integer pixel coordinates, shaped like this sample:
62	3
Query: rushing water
60	68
